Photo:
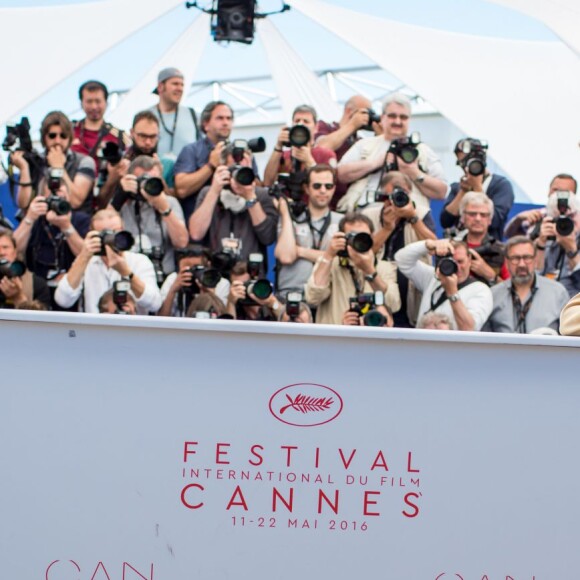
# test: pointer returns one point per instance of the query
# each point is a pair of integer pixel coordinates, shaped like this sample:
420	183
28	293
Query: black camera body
298	136
121	290
118	241
405	148
111	153
58	205
18	137
260	287
373	118
360	242
207	277
365	305
492	252
399	197
152	186
239	147
447	265
289	186
11	269
242	175
475	160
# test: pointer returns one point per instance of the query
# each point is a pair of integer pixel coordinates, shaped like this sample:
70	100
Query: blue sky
319	48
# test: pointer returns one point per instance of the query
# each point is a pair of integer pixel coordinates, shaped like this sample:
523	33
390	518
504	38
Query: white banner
159	449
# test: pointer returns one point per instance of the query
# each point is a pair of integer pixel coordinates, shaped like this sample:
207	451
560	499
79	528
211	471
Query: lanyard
521	312
314	230
165	128
443	297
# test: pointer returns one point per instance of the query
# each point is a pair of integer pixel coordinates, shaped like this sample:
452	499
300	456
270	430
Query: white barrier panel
158	449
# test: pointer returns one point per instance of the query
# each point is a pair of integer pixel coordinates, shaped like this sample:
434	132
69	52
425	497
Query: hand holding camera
38	207
439	247
129	184
221	178
337	244
17	158
480	267
283	137
215	156
12	289
359	119
547	231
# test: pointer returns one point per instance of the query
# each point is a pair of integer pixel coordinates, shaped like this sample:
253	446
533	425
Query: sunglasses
395	116
327	186
55	135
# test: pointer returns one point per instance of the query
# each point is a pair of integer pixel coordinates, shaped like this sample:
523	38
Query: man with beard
145	136
527	301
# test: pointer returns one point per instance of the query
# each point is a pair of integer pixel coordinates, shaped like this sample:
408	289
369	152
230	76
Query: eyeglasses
528	259
55	135
327	186
395	116
145	136
476	213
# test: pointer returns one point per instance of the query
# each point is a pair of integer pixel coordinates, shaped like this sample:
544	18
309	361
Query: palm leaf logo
305	404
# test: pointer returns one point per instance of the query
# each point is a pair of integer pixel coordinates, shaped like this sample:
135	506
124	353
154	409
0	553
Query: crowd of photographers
173	219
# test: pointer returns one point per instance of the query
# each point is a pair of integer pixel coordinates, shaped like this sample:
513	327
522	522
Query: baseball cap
166	74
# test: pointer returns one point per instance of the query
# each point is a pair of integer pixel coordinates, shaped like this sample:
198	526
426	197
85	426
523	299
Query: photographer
558	242
103	260
18	288
303	238
348	268
397	223
51	235
145	136
447	288
365	163
198	161
243	304
527	301
487	254
114	302
295	151
298	312
229	210
471	156
154	218
527	223
78	171
178	288
92	132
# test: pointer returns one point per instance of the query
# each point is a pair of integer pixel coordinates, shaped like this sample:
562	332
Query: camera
298	136
152	186
360	242
260	287
405	148
224	260
118	241
293	300
492	252
11	270
289	186
564	223
446	264
399	197
207	277
111	153
18	137
373	118
242	175
240	146
58	205
475	159
365	305
121	295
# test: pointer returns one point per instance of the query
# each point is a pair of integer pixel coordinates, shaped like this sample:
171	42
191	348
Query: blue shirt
192	158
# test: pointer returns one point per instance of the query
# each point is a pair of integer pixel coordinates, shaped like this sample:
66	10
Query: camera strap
315	231
443	296
166	129
103	132
355	280
522	311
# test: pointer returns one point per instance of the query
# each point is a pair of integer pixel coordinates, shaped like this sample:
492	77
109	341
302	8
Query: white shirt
477	296
99	278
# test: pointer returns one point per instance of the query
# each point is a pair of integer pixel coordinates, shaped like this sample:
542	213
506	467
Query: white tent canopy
562	16
55	52
185	55
519	95
522	96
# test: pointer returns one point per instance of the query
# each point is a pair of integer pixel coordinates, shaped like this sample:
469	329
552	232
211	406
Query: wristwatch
371	277
573	254
413	220
420	178
251	202
166	212
454	297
